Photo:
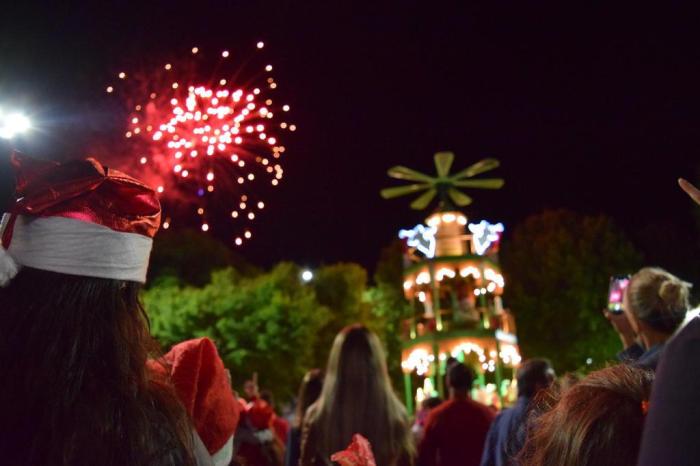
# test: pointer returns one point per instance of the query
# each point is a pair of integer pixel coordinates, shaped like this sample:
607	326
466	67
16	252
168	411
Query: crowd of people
85	383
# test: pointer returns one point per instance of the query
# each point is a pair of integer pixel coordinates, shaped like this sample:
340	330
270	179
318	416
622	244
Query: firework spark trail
205	141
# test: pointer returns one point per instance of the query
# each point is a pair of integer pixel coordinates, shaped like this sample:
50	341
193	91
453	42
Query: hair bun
669	290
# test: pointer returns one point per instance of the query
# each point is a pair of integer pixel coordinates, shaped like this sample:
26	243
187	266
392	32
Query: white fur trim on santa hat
224	456
8	267
74	247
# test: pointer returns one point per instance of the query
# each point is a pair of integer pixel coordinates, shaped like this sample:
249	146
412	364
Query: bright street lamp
307	275
12	124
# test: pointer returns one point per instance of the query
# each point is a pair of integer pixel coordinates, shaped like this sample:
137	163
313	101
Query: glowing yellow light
128	134
122	75
239	241
251	215
160	189
200	211
448	218
283	125
242	205
275	182
268	68
222	82
285	108
166	225
234	214
110	89
143	160
247	234
168	66
185	173
261	205
260	44
210	176
205	227
273	86
292	128
251	177
240	180
175	85
224	53
195	49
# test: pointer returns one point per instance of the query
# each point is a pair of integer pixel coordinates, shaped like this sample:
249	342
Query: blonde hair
357	397
658	298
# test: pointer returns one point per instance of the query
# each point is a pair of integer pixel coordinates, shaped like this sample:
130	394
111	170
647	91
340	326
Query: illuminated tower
453	281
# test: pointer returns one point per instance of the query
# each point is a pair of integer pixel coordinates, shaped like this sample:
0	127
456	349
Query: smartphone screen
618	284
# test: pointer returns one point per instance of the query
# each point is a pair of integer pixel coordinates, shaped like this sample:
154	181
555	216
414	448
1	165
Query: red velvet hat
202	385
78	218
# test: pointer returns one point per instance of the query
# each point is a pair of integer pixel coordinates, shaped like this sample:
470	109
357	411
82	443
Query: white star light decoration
422	238
484	235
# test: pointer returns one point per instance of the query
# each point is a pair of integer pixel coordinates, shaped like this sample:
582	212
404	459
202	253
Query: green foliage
339	288
557	266
191	256
389	306
269	323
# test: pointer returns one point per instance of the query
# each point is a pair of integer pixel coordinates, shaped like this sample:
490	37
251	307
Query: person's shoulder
485	411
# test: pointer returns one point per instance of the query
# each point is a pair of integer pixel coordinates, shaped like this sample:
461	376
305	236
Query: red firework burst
206	141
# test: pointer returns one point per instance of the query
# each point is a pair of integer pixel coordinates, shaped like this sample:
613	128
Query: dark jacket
507	435
673	422
638	356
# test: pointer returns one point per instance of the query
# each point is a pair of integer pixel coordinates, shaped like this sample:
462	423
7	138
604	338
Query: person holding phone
673	422
654	305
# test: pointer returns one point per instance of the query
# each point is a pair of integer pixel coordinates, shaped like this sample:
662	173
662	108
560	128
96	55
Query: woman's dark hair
460	376
596	422
76	389
309	391
533	375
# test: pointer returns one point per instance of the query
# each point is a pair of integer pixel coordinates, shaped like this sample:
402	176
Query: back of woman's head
74	351
357	397
596	422
658	298
309	391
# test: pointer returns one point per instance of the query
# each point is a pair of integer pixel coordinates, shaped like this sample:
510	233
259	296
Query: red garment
455	433
281	427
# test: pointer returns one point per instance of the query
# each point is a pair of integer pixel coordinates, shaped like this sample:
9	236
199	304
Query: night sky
590	109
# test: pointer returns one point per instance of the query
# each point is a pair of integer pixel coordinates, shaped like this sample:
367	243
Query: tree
557	266
389	306
192	256
339	288
268	324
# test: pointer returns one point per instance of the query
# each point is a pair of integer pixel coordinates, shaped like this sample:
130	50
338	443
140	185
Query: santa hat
78	218
203	386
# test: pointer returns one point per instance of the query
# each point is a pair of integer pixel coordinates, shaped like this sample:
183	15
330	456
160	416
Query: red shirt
455	433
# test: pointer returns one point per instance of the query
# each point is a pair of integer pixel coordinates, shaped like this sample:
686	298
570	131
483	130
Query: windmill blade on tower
459	197
405	173
479	167
443	185
424	199
396	191
443	163
485	183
